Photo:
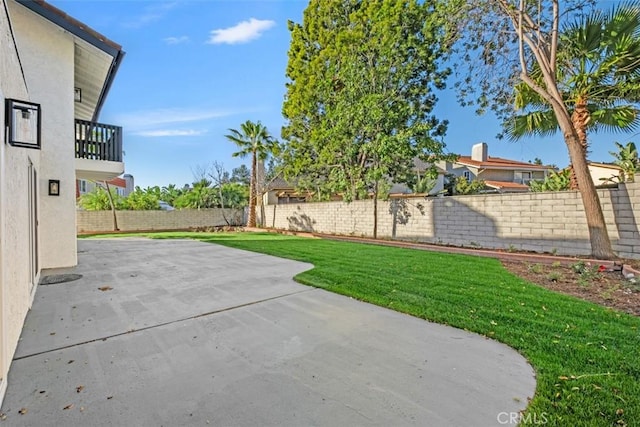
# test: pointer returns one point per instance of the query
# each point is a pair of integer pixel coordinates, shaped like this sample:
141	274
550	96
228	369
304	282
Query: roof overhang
604	166
515	167
511	187
97	58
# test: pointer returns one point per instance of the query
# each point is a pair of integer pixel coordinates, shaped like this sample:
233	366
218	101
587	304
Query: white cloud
242	32
151	14
176	40
148	120
171	132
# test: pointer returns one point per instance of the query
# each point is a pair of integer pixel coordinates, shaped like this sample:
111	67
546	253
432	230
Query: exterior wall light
54	187
23	123
77	94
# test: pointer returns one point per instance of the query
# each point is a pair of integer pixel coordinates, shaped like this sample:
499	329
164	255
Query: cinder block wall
91	221
540	222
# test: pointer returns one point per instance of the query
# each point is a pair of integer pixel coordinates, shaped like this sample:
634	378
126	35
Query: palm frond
536	123
623	19
526	97
252	139
622	118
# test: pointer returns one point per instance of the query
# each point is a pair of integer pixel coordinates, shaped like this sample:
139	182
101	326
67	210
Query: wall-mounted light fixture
54	187
77	94
23	120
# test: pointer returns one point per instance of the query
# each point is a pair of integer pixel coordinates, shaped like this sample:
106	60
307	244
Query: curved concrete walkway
178	332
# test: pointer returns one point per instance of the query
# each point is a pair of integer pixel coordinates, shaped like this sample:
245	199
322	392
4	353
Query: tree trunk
251	222
573	179
573	126
598	235
224	216
375	211
113	207
580	118
260	184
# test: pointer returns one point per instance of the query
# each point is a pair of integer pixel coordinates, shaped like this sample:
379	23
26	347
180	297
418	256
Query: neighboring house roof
278	183
93	98
499	163
605	165
508	186
118	182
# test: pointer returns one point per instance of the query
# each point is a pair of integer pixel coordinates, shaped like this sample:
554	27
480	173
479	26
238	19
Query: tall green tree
583	77
360	95
241	175
253	139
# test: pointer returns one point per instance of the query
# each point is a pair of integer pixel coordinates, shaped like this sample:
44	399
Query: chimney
129	187
480	152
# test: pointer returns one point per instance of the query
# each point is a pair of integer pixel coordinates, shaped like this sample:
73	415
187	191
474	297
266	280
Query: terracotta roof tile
497	162
507	185
118	182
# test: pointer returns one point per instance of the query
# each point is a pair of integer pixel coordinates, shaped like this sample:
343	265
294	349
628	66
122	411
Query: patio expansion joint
159	325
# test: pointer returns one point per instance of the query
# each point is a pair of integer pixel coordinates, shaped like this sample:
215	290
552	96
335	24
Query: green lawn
586	357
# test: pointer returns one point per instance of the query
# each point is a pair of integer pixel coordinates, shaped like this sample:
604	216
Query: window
83	186
467	175
522	177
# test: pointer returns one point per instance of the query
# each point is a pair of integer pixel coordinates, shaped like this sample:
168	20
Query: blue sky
194	69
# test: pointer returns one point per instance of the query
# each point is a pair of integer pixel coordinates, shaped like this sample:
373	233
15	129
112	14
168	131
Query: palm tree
170	193
598	78
252	139
627	159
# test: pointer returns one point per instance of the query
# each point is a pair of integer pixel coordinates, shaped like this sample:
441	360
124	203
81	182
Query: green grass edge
586	357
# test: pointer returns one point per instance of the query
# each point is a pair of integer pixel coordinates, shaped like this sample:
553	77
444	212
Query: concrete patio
179	332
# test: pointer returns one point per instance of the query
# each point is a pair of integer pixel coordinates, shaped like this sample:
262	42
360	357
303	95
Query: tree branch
553	54
523	63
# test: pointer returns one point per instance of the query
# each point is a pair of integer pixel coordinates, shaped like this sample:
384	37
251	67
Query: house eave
86	34
98	170
512	168
72	25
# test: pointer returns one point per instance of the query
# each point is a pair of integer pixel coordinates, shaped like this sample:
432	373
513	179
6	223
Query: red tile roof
499	163
502	185
118	182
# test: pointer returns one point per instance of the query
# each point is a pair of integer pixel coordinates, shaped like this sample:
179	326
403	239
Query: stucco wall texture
47	55
540	222
102	221
15	278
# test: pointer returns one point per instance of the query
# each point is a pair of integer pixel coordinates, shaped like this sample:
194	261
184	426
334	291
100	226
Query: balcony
98	151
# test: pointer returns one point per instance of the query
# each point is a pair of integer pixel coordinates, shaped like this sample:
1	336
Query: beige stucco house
502	175
55	73
604	173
